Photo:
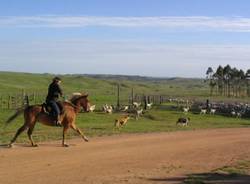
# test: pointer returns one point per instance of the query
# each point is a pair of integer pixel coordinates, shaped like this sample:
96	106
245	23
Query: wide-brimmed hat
57	79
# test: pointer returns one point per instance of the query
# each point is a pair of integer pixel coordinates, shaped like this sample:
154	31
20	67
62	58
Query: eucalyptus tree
237	81
242	82
247	78
229	81
211	79
226	79
218	75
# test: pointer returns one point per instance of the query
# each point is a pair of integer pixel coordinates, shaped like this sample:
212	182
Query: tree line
228	81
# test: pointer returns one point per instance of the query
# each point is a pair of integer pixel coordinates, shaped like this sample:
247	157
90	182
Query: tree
229	81
226	78
219	78
211	79
247	78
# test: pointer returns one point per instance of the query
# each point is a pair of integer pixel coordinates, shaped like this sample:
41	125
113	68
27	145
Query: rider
54	92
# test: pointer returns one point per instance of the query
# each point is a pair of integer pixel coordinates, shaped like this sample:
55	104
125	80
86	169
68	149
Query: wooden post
27	100
1	102
118	96
15	99
9	100
145	102
132	96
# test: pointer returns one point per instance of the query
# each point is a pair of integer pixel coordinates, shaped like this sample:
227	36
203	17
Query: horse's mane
76	96
69	104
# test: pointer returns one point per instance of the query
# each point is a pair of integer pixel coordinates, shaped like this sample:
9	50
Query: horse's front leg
73	126
65	128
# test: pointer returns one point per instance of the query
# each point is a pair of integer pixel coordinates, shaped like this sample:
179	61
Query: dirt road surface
131	158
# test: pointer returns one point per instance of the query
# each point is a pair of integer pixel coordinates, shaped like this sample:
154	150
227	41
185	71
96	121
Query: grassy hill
101	88
11	82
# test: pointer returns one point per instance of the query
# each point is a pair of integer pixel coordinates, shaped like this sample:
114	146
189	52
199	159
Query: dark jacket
54	92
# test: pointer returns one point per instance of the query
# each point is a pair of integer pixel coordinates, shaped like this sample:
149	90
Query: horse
36	113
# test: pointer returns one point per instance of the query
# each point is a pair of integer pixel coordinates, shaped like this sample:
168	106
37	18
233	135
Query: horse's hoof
86	139
10	146
65	145
35	145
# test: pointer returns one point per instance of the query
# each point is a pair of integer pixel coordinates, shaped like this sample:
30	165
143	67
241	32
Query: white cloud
235	24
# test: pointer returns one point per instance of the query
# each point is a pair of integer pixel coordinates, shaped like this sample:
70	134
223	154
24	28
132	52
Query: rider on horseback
54	92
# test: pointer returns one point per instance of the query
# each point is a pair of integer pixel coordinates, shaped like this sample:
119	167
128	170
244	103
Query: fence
17	100
118	97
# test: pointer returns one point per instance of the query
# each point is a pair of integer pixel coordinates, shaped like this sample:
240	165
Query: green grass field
99	124
101	91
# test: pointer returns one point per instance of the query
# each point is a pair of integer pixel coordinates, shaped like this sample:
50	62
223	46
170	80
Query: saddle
49	110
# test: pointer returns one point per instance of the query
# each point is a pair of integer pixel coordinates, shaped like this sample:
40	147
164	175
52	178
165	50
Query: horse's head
81	101
85	104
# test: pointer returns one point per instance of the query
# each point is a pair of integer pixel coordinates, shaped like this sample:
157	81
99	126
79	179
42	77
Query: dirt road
137	158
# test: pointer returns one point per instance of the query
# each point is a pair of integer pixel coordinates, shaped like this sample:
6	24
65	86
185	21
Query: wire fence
16	100
115	98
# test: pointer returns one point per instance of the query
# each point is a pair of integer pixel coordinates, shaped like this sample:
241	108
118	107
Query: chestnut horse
35	113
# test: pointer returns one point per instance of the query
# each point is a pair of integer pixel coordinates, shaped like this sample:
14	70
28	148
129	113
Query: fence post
1	101
14	101
132	96
26	100
145	102
9	101
118	96
34	98
148	99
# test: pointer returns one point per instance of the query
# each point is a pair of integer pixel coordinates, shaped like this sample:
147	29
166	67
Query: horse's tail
14	116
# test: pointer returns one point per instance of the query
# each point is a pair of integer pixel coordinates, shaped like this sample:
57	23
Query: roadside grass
98	124
236	173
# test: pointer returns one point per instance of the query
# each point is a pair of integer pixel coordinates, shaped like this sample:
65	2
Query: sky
159	38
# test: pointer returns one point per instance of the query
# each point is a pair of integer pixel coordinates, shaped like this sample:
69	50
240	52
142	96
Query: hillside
12	82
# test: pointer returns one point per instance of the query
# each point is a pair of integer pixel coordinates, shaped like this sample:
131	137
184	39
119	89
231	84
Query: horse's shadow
42	145
2	146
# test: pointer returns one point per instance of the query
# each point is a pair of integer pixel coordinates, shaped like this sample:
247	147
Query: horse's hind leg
79	132
19	131
65	128
30	136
